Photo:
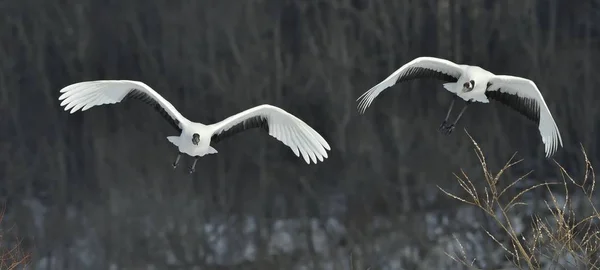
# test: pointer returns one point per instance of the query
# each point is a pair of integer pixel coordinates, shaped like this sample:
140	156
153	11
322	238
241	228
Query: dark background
94	189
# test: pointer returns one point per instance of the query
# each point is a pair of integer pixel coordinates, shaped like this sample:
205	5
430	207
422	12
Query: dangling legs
461	112
177	160
193	168
448	129
443	125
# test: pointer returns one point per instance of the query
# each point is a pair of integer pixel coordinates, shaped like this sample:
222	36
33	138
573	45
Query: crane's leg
445	122
177	160
448	129
193	168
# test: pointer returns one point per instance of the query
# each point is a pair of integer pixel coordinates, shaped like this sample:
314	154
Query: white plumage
475	84
195	138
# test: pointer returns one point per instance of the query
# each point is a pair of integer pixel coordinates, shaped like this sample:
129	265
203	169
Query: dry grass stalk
11	257
559	235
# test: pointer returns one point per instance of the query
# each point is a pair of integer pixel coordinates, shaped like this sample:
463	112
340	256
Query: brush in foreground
475	84
557	237
195	138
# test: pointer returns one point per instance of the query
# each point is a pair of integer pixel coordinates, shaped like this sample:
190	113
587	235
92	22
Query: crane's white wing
421	67
285	127
523	96
87	94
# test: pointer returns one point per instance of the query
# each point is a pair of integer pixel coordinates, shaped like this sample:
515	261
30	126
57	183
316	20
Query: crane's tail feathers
209	151
174	140
450	87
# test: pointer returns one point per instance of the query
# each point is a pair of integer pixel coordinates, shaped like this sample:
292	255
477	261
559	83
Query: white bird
195	139
475	84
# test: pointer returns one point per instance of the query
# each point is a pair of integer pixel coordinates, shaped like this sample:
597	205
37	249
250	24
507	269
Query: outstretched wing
421	67
84	95
285	127
523	96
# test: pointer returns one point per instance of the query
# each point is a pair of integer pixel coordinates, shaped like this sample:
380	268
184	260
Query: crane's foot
446	128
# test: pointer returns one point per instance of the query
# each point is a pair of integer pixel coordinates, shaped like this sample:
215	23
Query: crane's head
468	86
195	138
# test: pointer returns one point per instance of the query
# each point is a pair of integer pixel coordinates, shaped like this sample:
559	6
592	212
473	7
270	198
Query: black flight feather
252	122
142	96
525	106
421	72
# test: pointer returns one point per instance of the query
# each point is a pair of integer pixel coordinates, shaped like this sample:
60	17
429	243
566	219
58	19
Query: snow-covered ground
159	236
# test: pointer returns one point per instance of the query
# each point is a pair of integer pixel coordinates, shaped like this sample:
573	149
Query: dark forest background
100	183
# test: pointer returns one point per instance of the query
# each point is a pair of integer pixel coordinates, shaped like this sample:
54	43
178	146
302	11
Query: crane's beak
195	139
